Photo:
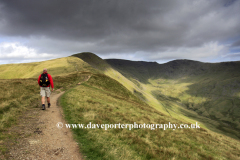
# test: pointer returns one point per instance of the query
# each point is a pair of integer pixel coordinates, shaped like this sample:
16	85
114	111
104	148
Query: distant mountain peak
86	55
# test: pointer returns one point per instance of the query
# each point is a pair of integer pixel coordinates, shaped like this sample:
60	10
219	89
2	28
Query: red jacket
49	78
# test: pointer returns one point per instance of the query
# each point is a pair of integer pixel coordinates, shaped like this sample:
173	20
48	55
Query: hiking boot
49	105
43	107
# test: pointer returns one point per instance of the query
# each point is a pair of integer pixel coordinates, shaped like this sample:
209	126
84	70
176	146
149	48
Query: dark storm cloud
119	26
72	19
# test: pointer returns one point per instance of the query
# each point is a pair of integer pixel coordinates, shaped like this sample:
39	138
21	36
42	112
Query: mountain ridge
186	87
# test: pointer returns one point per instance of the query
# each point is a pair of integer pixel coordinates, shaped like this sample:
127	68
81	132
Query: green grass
16	96
99	101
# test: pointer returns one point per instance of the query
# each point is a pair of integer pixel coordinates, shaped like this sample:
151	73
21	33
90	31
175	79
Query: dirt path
45	140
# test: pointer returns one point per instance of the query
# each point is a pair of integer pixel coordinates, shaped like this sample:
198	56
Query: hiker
44	81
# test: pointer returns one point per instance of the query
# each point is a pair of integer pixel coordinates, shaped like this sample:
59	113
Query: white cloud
16	52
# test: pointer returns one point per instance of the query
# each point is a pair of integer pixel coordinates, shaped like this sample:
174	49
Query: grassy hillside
212	91
99	64
55	67
103	100
132	86
139	70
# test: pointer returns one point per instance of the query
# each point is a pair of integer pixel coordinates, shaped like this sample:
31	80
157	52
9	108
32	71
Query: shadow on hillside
222	104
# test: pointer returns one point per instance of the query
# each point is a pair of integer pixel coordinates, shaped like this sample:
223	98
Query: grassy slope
103	100
55	67
206	92
105	68
99	64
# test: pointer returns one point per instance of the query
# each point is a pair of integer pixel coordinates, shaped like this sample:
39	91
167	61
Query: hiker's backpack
44	82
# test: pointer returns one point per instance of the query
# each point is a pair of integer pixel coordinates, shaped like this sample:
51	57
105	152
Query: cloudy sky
149	30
